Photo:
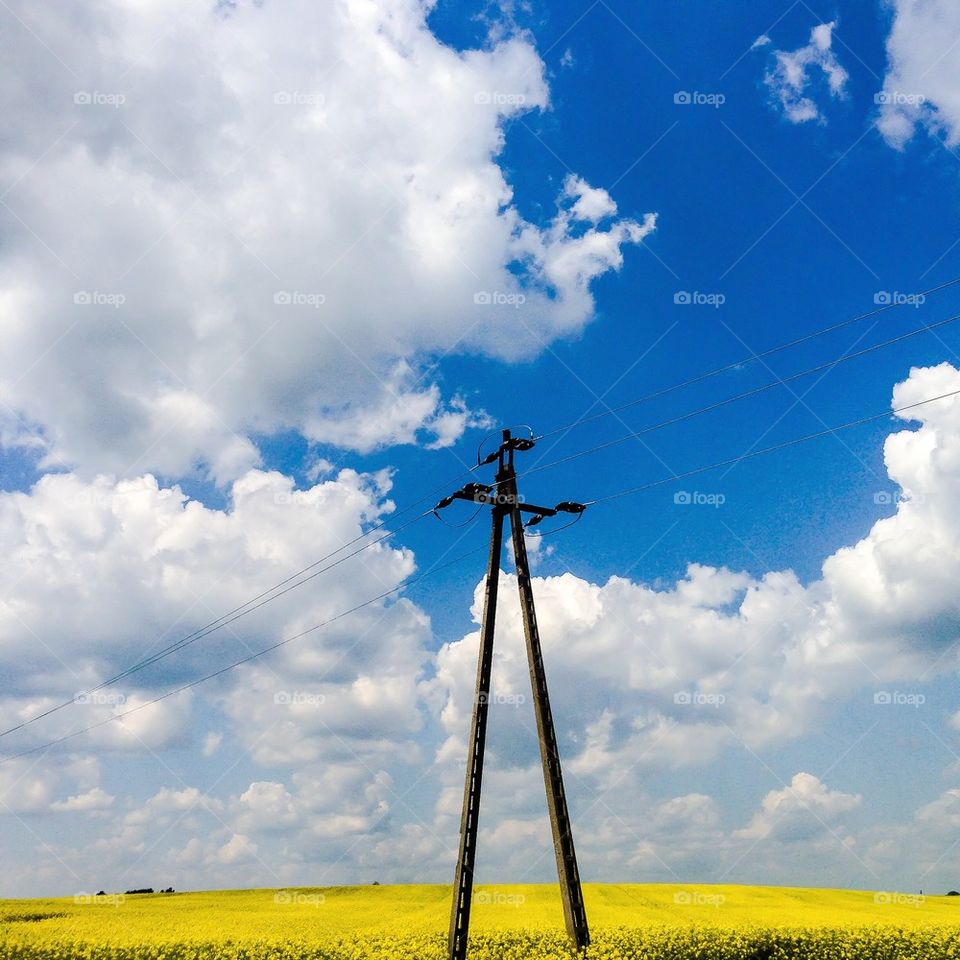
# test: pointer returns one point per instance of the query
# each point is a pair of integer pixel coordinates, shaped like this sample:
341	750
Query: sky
271	273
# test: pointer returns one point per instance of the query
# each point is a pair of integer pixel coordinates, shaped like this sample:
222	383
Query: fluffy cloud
802	810
337	734
658	678
30	786
133	566
653	676
257	217
920	87
926	841
95	799
793	73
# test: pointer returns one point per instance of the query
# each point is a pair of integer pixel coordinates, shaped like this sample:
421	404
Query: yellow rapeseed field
628	922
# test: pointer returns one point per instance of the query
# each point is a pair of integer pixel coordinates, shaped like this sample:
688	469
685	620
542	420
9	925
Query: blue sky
393	167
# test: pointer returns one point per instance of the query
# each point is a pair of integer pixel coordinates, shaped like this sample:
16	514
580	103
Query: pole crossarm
507	504
481	493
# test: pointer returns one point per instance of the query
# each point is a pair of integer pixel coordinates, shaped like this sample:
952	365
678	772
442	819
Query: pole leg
463	879
574	913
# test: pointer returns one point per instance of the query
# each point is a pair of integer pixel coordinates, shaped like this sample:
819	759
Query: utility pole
506	503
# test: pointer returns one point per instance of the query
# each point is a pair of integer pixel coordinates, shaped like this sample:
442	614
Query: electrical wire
553	530
261	599
494	433
276	591
458	526
764	450
830	364
699	378
237	663
604	499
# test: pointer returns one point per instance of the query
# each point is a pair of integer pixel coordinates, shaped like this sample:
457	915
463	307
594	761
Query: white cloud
592	204
669	676
237	849
802	810
923	842
792	74
278	215
24	789
29	786
643	678
132	567
920	86
95	799
658	678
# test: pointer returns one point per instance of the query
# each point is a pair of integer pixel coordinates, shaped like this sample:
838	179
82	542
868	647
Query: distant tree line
128	893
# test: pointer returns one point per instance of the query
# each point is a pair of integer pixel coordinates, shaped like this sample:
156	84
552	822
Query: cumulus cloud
235	219
664	677
800	811
95	799
669	676
30	785
920	87
924	841
133	566
794	72
354	748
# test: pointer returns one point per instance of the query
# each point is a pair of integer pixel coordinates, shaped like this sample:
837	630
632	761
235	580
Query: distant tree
101	893
953	893
144	890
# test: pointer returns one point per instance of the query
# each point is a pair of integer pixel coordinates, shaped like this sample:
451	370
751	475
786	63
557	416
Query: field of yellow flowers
628	922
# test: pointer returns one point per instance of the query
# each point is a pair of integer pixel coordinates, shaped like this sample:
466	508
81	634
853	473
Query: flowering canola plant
628	922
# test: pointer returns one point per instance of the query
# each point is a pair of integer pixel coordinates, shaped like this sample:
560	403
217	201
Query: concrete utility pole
506	502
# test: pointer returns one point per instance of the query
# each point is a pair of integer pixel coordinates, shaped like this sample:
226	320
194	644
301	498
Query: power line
237	663
699	378
266	596
598	500
215	625
276	591
830	364
764	450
